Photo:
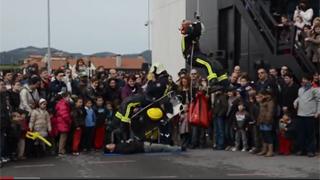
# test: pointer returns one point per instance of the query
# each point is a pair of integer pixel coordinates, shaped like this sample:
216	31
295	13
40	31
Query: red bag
199	114
193	114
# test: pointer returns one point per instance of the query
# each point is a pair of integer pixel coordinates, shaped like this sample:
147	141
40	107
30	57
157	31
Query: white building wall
165	17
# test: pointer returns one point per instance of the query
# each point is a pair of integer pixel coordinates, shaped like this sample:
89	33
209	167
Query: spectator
233	101
4	122
109	124
101	114
113	93
81	69
17	77
240	124
63	120
8	76
308	109
138	80
254	133
81	85
114	75
15	96
284	136
304	11
18	131
283	71
277	80
299	24
184	127
306	33
264	83
68	80
244	89
237	70
220	107
29	95
172	85
40	122
78	115
93	90
130	88
316	80
197	133
265	122
57	85
289	93
284	29
101	74
90	122
233	80
313	50
195	77
44	89
183	72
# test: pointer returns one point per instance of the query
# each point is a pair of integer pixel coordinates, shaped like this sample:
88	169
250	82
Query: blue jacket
90	117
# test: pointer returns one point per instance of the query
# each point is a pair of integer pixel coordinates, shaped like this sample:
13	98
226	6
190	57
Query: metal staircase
266	30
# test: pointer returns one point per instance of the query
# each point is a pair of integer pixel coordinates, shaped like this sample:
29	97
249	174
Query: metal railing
271	32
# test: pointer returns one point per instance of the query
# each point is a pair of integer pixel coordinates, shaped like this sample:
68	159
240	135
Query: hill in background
16	56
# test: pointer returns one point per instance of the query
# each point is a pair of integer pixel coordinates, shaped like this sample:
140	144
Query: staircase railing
271	31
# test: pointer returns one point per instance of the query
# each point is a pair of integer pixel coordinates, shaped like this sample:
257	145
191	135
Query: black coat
78	117
14	100
220	105
288	95
4	111
101	115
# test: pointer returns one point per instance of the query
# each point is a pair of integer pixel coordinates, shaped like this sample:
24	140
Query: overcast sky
85	26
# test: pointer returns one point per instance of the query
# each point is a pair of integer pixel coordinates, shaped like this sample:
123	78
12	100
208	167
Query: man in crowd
29	95
308	109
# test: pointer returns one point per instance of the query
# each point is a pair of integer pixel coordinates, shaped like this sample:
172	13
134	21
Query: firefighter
191	32
157	86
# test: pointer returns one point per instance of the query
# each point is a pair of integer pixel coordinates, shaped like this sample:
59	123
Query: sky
77	26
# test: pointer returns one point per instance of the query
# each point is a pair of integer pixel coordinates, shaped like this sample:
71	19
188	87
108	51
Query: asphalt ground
200	163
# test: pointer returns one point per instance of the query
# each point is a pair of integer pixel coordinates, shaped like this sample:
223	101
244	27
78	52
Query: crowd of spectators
74	111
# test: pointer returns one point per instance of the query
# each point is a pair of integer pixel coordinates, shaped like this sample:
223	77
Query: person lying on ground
132	147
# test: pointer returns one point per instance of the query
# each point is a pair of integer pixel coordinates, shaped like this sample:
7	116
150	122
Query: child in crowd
241	119
265	122
244	89
40	122
233	101
62	119
101	113
285	126
254	134
78	116
90	122
19	126
109	122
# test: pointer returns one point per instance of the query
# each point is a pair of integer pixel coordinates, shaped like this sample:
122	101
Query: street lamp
148	24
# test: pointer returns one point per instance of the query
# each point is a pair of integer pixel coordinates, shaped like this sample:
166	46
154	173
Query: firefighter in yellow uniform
191	32
157	86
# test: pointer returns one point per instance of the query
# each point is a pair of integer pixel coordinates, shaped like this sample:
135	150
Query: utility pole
49	50
149	25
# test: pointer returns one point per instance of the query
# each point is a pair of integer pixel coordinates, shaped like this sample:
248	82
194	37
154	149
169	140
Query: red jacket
63	116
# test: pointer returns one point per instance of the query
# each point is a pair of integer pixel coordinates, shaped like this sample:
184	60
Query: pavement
200	163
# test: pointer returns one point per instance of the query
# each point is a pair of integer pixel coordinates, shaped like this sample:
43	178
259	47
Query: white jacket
308	102
306	15
28	98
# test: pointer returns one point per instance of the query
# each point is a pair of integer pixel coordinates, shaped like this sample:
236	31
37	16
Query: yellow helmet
155	114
